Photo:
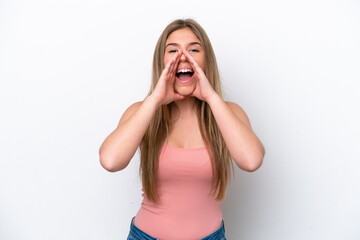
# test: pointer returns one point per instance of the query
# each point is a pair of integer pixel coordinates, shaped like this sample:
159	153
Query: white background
70	68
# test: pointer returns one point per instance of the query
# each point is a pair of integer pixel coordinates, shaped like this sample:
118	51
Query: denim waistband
140	235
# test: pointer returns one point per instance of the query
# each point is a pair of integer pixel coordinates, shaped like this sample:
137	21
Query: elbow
252	163
109	165
256	161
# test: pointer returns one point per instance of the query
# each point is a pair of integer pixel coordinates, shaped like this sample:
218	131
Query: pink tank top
186	210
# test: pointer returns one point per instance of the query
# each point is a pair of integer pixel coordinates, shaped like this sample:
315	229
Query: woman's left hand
203	90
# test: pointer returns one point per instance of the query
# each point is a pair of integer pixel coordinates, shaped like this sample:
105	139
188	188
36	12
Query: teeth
183	70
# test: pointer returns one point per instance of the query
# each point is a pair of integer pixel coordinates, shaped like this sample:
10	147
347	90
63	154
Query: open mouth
184	74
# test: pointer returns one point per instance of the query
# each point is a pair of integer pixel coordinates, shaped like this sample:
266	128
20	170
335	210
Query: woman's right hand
164	91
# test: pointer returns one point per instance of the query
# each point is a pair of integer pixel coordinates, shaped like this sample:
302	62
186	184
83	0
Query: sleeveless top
187	209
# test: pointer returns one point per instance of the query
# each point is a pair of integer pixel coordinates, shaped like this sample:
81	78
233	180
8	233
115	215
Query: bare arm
244	146
120	146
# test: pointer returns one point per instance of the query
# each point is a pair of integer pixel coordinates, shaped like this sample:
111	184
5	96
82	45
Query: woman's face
184	39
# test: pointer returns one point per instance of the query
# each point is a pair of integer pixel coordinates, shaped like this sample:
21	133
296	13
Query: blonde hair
159	127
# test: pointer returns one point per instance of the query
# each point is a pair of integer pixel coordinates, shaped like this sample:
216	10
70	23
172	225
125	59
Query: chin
184	90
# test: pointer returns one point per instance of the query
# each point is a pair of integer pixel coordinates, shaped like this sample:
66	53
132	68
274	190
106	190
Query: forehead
184	35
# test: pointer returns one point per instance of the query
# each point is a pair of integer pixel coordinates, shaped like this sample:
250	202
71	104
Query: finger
172	64
191	59
176	64
177	61
167	67
197	69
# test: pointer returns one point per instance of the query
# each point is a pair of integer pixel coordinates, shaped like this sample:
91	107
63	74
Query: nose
182	57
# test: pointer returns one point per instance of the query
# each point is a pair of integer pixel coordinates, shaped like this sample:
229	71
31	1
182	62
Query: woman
187	136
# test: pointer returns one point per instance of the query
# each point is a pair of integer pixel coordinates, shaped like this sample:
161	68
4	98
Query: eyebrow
175	44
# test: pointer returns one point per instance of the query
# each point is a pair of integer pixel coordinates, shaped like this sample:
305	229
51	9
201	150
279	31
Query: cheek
200	61
166	59
201	64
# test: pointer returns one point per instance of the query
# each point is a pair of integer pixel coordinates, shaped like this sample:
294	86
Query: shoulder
239	112
130	111
134	106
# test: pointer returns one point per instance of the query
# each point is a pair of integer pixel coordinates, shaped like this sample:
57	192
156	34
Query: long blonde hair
159	127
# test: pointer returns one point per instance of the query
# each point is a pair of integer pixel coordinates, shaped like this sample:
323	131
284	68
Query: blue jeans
137	234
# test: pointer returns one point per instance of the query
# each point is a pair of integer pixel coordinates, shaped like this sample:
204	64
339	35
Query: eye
194	50
173	51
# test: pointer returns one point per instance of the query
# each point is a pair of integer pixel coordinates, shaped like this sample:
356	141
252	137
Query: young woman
188	136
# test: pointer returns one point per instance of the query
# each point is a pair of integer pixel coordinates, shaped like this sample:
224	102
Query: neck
185	107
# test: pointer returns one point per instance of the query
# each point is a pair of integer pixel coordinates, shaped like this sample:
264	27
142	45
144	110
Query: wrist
212	97
153	100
